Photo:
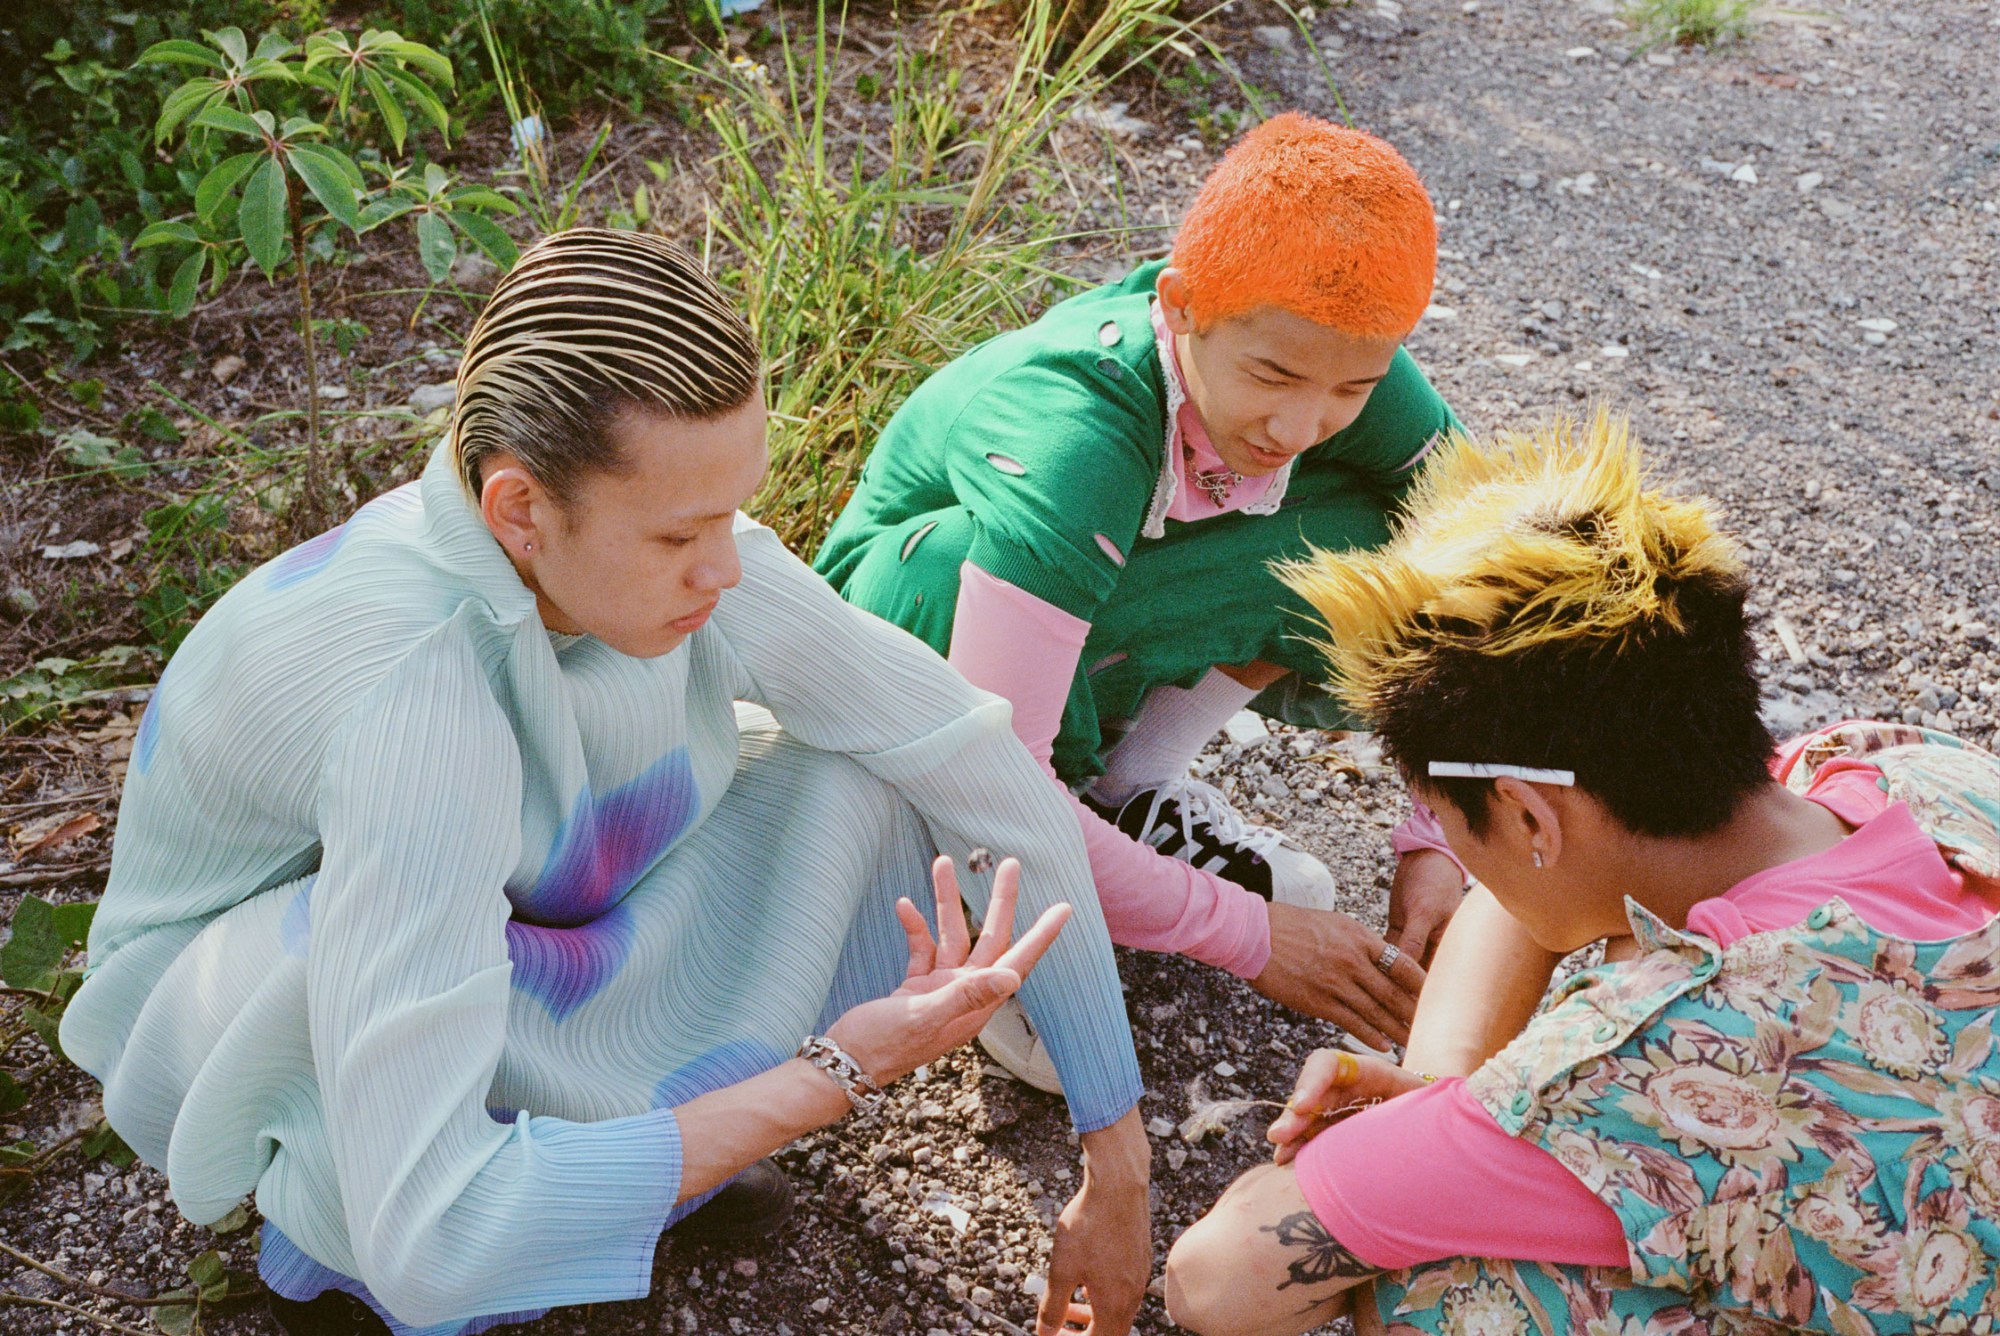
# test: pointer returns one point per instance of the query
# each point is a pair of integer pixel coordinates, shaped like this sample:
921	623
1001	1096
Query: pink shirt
1430	1175
1192	450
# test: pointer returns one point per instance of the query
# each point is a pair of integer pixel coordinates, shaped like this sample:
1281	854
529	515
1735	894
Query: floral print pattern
1798	1133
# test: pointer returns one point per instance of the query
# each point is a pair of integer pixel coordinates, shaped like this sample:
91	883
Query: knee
1199	1273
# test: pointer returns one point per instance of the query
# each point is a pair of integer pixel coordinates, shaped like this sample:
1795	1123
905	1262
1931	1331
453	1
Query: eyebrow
1289	374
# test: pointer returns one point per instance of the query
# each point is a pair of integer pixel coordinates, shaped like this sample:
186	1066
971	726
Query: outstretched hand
1330	1085
953	985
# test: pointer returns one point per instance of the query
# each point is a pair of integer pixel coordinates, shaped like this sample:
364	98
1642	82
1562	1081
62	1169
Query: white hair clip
1488	770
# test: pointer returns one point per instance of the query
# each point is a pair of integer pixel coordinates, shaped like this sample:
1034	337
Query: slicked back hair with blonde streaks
1540	605
589	324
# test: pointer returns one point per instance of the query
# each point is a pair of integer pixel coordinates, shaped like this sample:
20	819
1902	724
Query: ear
1524	817
1172	288
515	506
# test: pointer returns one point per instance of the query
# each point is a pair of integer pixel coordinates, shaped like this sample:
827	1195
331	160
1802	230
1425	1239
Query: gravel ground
1781	259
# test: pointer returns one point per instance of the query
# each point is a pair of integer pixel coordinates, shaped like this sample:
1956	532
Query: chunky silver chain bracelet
831	1058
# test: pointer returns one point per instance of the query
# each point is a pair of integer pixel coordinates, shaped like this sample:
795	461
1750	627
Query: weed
1691	22
865	264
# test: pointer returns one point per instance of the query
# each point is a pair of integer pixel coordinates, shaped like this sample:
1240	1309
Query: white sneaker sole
1010	1040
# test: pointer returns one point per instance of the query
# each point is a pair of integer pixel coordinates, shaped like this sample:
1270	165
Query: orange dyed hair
1325	222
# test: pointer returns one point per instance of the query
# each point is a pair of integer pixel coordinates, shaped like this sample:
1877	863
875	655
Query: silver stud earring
527	547
1538	858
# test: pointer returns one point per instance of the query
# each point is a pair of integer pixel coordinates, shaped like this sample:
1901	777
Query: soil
1780	258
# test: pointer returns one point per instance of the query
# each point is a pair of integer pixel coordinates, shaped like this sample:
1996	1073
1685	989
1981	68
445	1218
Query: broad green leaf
177	1319
102	1143
232	44
263	216
210	1275
12	1096
420	94
300	125
436	246
179	51
385	102
180	103
380	210
35	951
232	121
237	1218
222	179
478	197
427	59
486	234
72	922
47	1026
17	1152
323	176
159	234
274	46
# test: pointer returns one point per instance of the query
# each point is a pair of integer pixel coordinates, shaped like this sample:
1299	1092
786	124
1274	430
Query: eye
677	539
1268	382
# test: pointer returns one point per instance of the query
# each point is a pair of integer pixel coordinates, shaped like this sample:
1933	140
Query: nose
718	568
1294	427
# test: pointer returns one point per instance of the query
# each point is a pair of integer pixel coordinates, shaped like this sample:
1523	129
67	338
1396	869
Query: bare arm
1484	984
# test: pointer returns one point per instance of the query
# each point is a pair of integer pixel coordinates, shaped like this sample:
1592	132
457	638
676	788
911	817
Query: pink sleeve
1424	831
1430	1175
1007	641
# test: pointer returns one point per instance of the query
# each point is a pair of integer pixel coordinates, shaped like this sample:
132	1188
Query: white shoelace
1204	802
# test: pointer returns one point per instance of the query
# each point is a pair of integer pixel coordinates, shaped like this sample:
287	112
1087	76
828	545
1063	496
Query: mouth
1268	459
693	621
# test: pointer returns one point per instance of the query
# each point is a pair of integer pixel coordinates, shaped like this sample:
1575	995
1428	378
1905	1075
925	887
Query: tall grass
868	251
1691	22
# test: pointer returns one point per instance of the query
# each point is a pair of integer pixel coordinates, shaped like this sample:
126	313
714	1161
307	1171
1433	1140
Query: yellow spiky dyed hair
1537	538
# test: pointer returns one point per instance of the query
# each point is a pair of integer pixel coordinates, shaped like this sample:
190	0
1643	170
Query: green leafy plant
50	686
1691	22
862	271
276	178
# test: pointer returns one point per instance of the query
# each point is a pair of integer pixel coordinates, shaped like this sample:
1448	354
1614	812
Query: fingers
923	951
998	929
1058	1306
953	943
1024	954
1314	1092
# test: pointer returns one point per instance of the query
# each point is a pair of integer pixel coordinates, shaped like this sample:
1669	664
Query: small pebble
980	860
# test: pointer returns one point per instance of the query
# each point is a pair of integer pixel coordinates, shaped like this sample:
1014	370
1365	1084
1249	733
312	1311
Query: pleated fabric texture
421	921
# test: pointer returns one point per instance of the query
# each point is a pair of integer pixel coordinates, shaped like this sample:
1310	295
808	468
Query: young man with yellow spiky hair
1778	1106
1082	514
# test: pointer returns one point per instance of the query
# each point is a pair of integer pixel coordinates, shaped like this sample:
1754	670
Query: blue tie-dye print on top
568	936
313	556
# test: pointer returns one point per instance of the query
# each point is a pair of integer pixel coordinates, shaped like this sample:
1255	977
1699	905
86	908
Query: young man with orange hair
1082	515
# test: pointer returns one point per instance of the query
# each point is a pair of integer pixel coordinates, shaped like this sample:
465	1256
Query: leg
1260	1263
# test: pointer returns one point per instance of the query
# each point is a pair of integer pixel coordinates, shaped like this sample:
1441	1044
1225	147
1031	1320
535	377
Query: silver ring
1387	960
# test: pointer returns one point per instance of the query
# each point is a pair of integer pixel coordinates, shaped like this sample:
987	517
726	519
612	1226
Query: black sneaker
756	1202
333	1313
1192	821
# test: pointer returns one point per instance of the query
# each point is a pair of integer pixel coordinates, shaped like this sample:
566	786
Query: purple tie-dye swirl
563	968
569	937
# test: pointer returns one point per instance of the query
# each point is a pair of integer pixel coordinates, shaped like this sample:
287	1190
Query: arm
1260	1263
844	681
1485	983
1024	649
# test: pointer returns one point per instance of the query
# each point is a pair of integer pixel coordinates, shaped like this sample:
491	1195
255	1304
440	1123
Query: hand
953	987
1329	1082
1422	899
1103	1239
1323	964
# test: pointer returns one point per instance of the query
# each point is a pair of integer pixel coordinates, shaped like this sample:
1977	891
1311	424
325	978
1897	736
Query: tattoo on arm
1323	1258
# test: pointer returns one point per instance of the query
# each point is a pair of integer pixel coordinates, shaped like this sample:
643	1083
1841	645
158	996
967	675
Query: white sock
1172	726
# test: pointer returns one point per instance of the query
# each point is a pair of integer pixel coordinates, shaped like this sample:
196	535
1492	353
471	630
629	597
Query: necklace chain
1215	484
